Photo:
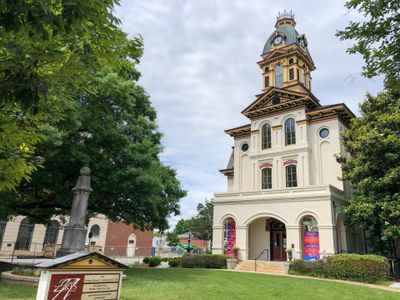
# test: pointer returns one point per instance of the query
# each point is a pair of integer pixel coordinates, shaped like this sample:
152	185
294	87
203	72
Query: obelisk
75	233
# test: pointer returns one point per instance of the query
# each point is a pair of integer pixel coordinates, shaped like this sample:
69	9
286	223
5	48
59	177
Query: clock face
278	40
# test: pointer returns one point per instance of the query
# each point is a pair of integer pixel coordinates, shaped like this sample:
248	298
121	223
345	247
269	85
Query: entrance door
131	249
278	241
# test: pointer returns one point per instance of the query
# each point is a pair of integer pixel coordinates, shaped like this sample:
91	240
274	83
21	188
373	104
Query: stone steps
275	267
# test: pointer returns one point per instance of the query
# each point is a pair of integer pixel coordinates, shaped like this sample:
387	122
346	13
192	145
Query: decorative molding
290	162
266	165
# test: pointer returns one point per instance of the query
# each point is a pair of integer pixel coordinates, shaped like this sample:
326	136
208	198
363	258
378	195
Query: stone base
73	241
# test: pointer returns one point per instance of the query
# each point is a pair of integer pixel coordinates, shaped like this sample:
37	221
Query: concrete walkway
395	287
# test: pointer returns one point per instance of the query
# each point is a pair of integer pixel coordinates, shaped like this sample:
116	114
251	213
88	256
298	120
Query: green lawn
167	284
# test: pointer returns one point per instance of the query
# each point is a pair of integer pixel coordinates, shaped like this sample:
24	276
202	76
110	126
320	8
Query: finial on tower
287	17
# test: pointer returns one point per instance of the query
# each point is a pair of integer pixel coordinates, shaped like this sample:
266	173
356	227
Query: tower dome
285	33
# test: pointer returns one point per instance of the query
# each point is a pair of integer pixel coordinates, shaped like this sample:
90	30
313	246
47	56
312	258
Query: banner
230	237
311	245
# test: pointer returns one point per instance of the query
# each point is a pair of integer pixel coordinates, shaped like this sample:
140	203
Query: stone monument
75	233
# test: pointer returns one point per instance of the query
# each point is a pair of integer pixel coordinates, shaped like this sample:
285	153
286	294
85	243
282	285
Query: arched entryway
267	239
131	248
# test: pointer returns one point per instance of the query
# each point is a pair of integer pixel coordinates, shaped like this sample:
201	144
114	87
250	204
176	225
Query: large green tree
376	37
201	224
94	114
373	167
49	50
112	129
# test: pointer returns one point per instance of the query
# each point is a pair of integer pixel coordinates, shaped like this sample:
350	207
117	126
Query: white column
242	242
327	239
293	237
218	242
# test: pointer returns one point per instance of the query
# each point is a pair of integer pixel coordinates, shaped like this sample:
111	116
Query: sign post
80	276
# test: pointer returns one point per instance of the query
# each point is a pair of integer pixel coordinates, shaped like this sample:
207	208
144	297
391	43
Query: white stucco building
283	189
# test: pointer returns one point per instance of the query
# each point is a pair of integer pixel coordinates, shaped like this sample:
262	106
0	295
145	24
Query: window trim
267	184
290	133
266	140
291	176
280	75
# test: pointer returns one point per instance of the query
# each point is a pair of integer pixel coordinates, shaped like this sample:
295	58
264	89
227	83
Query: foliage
23	271
174	262
182	226
376	37
201	224
353	267
213	261
172	238
373	168
112	129
154	261
146	259
49	50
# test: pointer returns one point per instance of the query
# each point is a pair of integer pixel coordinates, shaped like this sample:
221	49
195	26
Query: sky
199	68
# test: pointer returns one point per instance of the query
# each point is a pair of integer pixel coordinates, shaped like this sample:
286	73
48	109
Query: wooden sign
81	275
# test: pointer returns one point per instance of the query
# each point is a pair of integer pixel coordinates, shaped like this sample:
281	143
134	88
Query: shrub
32	272
174	262
146	260
213	261
154	261
165	259
354	267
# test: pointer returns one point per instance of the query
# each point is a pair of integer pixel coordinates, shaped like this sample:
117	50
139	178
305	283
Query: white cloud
199	67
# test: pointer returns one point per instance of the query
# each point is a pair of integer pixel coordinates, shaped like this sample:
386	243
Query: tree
201	224
172	238
182	226
112	129
374	169
49	50
377	37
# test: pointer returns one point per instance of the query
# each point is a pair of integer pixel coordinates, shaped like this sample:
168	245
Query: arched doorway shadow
267	239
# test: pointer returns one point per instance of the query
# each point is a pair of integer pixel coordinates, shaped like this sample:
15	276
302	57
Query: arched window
266	178
290	132
51	234
278	75
310	238
3	225
291	176
266	136
95	230
24	238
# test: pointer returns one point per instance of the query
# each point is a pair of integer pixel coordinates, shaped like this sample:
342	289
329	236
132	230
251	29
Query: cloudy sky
199	67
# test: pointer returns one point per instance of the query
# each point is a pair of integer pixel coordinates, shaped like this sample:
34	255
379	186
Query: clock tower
286	62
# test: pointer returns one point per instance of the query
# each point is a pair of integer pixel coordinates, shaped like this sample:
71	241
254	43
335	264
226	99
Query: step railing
259	255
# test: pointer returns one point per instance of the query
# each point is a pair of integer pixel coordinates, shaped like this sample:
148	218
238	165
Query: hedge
154	261
353	267
212	261
174	262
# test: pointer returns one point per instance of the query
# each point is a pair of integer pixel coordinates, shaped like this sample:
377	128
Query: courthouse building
283	189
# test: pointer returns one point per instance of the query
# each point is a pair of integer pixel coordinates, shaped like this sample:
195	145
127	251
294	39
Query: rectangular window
291	74
266	81
298	74
291	176
266	178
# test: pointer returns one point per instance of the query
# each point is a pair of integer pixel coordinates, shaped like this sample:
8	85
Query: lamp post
189	248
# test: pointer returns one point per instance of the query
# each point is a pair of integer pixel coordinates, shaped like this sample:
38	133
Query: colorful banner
230	237
311	245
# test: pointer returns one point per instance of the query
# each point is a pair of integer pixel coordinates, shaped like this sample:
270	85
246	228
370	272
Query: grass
168	284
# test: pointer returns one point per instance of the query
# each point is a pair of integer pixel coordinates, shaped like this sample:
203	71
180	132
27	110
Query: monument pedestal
75	233
74	238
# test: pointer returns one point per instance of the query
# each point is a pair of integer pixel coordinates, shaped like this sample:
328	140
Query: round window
324	132
245	147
